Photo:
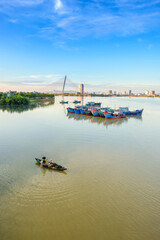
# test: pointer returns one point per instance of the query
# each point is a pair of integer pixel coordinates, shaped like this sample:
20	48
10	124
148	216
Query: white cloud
58	4
36	79
13	20
74	19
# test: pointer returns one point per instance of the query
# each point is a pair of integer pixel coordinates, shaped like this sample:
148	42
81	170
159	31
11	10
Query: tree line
21	98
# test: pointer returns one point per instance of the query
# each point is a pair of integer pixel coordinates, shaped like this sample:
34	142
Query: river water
111	190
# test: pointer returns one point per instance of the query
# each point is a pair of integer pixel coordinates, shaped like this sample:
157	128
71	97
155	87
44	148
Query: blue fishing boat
88	111
95	112
102	110
109	115
75	102
135	113
63	102
77	110
70	110
93	104
83	109
123	110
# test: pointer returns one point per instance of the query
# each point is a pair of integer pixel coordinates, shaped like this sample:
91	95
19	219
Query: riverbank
104	95
22	98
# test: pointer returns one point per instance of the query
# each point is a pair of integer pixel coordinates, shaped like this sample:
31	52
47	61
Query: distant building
109	92
81	88
124	93
147	92
152	92
114	92
130	92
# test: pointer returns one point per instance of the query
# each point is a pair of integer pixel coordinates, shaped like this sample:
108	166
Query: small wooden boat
63	102
75	102
93	104
50	165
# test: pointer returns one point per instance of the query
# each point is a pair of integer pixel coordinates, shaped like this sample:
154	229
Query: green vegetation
22	98
13	99
36	95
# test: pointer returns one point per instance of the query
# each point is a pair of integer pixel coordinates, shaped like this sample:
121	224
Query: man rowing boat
44	162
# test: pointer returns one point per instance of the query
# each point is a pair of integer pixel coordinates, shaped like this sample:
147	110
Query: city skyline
113	44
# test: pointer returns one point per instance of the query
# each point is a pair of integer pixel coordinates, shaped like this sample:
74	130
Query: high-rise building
130	92
124	93
114	92
109	92
147	92
152	92
81	88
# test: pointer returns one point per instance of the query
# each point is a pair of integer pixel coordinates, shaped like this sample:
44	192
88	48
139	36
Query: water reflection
136	117
112	180
20	109
98	120
44	170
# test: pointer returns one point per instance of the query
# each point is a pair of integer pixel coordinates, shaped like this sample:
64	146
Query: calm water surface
111	190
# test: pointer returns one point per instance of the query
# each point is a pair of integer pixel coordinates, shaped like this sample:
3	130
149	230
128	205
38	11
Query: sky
106	44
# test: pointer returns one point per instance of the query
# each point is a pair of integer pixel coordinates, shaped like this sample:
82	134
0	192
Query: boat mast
64	83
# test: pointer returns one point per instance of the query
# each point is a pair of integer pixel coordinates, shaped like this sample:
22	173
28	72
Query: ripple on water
39	191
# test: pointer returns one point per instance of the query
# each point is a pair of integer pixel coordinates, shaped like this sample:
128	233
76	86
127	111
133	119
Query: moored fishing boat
93	104
70	110
123	110
95	112
109	115
75	102
88	111
63	102
102	110
101	113
135	113
82	110
131	113
77	110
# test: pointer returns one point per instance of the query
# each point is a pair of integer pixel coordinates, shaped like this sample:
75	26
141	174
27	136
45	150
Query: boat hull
87	112
77	111
70	110
135	113
82	112
113	116
64	102
101	114
95	112
93	104
54	167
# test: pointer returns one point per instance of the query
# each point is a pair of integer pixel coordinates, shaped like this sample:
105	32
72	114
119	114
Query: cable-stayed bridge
64	85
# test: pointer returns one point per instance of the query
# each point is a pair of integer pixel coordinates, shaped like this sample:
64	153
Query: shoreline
101	95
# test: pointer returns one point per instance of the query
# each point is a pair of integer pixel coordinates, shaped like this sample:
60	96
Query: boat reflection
116	122
136	117
48	170
97	120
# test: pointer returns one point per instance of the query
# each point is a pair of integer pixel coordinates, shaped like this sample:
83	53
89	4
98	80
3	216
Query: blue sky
113	43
